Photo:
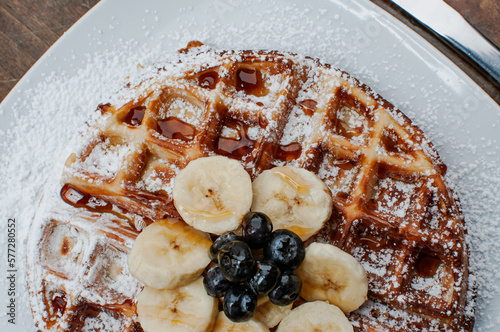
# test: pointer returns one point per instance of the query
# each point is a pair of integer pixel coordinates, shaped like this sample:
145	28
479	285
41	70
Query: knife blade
450	25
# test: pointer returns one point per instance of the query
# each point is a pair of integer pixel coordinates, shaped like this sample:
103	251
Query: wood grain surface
29	27
484	15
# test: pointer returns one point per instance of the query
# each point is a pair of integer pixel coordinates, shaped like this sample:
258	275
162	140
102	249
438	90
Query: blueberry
239	304
287	290
257	228
220	242
265	278
215	283
285	250
236	261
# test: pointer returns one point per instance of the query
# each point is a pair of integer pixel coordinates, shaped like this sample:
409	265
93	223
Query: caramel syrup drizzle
289	152
426	265
235	148
250	81
174	128
208	80
308	106
134	116
79	199
293	150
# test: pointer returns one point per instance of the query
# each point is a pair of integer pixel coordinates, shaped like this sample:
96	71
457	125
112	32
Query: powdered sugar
230	132
297	127
47	113
105	159
102	322
432	286
399	202
354	122
154	180
338	180
183	110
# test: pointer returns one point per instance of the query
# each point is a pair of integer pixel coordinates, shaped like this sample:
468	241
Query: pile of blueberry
240	278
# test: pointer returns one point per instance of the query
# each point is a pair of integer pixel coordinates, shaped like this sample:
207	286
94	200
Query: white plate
85	65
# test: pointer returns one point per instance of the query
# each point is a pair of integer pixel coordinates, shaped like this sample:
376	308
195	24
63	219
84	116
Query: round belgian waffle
392	208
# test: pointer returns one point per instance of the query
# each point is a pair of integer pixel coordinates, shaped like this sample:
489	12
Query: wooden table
29	27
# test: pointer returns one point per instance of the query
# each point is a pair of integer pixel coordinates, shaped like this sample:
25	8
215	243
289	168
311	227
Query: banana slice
213	194
223	324
330	274
271	314
168	254
293	198
315	316
188	308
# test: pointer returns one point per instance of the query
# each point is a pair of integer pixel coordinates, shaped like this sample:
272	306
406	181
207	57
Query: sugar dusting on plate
49	115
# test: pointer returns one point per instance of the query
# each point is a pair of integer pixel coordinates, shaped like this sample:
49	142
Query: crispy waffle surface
392	208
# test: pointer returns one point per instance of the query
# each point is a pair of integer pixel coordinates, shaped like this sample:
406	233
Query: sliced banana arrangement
185	309
315	316
168	254
213	194
330	274
224	324
294	198
271	314
257	267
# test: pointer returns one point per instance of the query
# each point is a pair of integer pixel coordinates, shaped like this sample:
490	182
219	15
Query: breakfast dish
392	209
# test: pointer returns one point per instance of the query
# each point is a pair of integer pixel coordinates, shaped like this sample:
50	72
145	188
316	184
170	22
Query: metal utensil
450	25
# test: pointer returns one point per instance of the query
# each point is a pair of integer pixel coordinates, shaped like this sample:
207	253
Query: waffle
79	278
392	208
